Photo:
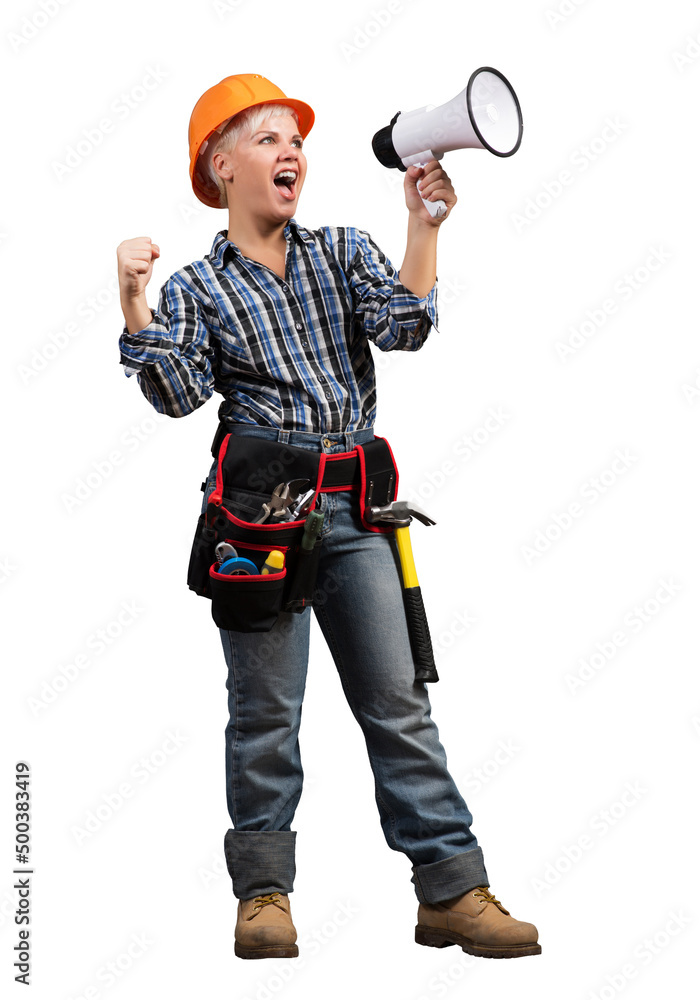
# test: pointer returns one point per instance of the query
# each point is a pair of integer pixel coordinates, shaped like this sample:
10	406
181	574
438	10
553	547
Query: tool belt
248	469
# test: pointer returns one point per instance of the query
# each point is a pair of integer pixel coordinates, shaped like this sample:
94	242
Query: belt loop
349	441
283	437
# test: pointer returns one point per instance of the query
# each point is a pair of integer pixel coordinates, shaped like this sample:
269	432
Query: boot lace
483	893
260	901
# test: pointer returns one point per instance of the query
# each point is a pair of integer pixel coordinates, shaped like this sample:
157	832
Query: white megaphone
485	115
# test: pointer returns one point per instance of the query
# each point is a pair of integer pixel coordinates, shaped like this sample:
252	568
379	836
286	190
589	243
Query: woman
278	319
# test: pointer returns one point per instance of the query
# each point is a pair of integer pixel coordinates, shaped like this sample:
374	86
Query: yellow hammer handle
408	567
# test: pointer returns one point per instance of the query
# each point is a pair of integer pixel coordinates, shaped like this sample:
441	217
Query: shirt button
329	395
304	343
321	378
285	288
299	326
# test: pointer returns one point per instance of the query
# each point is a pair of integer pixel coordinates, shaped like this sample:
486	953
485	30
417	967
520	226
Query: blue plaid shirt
291	353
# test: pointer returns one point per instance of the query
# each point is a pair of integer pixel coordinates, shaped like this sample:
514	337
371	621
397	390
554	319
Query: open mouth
285	182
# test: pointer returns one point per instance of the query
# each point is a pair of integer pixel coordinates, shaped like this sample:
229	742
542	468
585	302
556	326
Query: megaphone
485	115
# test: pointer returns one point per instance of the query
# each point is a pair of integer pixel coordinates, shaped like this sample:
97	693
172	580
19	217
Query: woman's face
274	149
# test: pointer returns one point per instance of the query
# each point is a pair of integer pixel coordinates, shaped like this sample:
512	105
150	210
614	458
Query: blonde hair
247	121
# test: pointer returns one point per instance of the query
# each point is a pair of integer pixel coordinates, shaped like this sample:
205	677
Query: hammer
400	514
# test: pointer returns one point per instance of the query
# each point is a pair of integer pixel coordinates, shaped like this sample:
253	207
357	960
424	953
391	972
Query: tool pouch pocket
249	603
253	602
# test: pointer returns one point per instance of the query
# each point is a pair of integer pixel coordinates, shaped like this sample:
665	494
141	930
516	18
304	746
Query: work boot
264	928
479	924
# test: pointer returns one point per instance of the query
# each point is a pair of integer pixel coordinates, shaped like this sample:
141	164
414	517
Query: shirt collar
224	249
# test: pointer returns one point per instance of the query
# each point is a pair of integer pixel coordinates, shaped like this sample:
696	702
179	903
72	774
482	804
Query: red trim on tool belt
246	577
319	479
265	526
217	495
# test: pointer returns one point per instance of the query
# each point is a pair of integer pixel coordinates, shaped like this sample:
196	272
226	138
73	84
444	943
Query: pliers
286	502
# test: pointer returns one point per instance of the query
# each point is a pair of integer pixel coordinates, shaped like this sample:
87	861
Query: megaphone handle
436	208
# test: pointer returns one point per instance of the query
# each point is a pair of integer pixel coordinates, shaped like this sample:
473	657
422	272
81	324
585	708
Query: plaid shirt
289	353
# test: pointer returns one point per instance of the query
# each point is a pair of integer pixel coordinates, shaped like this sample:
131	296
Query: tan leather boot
264	928
479	924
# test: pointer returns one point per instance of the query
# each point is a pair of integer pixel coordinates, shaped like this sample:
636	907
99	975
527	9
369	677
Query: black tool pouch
247	603
248	470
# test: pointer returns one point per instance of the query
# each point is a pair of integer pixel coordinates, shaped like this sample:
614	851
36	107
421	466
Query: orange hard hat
216	107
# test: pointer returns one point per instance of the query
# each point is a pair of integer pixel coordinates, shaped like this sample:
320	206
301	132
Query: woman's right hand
135	266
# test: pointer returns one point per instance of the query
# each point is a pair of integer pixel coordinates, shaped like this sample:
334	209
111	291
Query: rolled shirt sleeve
393	318
171	357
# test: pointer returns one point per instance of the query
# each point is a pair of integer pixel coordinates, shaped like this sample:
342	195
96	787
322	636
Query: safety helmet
214	110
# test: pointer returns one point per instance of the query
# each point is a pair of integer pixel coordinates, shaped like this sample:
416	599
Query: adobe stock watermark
462	622
691	390
374	23
33	24
642	956
450	289
102	469
139	774
591	491
478	777
583	157
600	825
441	983
310	945
7	569
623	290
95	645
214	871
689	55
121	108
462	450
111	973
190	209
58	340
8	909
634	621
562	12
222	8
394	180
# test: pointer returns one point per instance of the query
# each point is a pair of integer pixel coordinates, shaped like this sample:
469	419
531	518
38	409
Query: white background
583	796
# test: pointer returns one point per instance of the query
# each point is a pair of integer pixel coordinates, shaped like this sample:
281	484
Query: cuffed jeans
359	607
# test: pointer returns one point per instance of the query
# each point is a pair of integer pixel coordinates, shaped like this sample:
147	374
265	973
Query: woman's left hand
432	183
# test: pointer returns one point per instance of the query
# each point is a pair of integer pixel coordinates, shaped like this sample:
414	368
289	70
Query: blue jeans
359	608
